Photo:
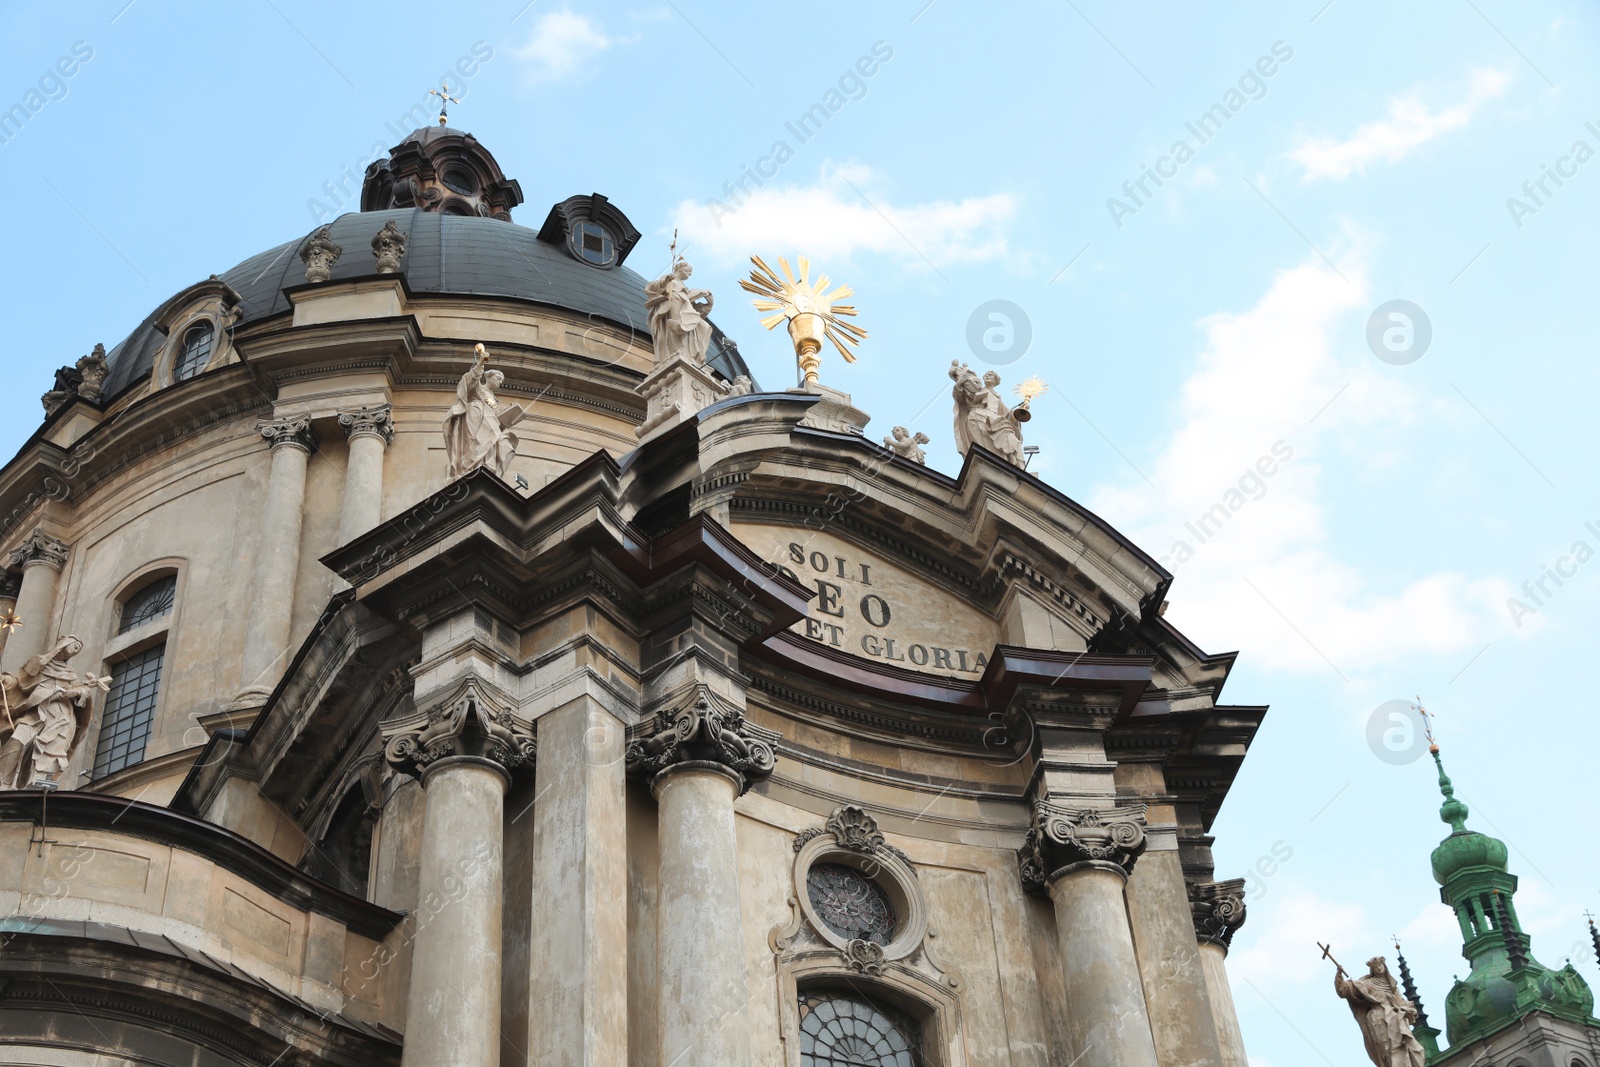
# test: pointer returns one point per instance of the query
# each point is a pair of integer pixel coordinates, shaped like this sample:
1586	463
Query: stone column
41	558
1169	957
370	431
700	759
1083	855
266	645
464	752
578	988
1218	909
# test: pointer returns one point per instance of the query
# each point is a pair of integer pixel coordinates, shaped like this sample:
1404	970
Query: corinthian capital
1065	837
374	421
707	729
40	547
294	431
469	724
1218	909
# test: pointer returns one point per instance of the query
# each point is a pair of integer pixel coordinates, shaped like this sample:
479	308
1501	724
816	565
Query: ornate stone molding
1218	909
376	421
294	431
855	831
864	957
40	547
1062	838
469	724
707	729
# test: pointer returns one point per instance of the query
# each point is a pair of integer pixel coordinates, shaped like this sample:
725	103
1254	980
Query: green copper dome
1464	848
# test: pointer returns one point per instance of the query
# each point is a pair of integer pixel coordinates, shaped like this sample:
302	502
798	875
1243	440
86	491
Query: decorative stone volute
706	729
292	431
468	724
319	254
388	248
40	547
854	830
376	421
1218	909
1063	838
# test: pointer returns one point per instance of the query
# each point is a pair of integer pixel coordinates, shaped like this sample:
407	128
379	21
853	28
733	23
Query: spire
1426	1034
1516	950
1594	935
1452	810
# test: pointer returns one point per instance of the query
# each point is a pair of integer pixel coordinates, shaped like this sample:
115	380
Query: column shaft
370	431
1181	1020
703	988
1229	1037
36	606
578	986
1110	1026
453	1007
266	645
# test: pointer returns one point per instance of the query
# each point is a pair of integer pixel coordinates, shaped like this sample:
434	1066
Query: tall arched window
135	677
195	353
844	1029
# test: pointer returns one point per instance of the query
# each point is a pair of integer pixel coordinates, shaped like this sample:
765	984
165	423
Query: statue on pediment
477	433
46	709
677	314
982	418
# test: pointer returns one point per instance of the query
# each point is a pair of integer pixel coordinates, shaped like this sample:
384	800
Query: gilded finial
445	100
813	313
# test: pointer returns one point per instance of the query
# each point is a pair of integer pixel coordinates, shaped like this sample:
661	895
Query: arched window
844	1029
130	710
195	353
154	601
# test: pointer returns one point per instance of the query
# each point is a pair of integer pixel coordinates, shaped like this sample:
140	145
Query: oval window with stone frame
850	903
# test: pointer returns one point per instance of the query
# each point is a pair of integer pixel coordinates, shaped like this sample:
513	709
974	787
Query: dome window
591	243
196	351
460	179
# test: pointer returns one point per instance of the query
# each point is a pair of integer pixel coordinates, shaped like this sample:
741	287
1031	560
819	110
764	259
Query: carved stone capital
469	724
292	432
1218	909
40	547
376	421
707	729
1062	838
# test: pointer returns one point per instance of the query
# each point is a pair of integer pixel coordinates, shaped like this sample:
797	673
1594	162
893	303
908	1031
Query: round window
459	179
850	904
591	243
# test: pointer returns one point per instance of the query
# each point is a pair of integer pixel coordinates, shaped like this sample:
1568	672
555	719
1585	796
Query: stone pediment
870	605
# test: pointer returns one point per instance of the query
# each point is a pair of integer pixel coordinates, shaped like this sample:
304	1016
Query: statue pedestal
674	392
834	411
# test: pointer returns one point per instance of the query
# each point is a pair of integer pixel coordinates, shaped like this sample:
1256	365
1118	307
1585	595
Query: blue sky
1186	334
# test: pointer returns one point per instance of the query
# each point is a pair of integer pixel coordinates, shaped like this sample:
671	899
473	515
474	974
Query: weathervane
812	312
445	100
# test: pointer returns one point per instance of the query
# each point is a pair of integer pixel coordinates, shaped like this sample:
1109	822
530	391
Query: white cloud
1292	372
832	220
1409	125
562	45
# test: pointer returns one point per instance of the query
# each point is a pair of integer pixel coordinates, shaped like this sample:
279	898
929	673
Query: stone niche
870	606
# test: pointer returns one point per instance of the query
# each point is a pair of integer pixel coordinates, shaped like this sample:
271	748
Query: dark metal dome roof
445	254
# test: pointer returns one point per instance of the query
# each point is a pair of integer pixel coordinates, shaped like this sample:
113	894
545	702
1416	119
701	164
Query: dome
1467	849
445	255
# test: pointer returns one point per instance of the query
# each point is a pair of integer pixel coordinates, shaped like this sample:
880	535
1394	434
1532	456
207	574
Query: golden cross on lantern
445	100
1427	725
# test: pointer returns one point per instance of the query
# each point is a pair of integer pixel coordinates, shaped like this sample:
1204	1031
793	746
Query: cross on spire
445	100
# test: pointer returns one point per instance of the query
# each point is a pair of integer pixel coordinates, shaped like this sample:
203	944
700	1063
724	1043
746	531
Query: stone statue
476	432
388	247
68	379
92	372
46	712
1385	1017
904	445
319	254
741	386
677	317
982	418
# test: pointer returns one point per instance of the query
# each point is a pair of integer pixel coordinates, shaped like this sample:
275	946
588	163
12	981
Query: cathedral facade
426	644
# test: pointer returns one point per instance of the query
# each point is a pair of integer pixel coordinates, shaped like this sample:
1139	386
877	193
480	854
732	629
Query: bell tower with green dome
1509	1002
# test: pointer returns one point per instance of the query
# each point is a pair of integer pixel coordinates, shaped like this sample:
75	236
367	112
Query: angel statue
476	432
46	709
677	316
1384	1015
982	418
906	445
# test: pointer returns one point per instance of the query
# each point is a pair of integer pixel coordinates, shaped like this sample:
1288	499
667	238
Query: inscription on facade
873	608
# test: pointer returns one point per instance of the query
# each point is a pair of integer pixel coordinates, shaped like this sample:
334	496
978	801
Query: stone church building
684	725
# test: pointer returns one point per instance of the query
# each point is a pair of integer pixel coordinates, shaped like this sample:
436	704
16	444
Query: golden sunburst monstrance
812	311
